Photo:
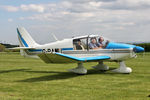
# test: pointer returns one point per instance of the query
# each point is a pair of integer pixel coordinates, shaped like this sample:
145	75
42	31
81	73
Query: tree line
4	47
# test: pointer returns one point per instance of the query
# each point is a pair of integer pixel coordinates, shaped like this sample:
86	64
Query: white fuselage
65	45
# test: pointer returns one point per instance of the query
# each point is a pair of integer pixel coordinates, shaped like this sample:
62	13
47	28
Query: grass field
31	79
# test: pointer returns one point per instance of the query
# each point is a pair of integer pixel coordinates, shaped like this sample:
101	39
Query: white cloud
127	4
66	4
95	4
32	7
21	18
10	20
95	12
41	17
87	14
10	8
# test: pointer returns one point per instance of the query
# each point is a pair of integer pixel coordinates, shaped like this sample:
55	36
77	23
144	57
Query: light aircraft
64	51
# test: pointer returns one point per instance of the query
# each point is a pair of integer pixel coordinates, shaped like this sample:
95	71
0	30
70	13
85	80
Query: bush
2	48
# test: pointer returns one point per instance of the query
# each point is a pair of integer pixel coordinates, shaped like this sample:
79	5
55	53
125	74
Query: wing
63	58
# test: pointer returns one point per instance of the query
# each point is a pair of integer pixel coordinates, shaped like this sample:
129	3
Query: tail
26	42
25	39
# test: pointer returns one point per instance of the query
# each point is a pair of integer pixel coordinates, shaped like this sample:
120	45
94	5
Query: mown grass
31	79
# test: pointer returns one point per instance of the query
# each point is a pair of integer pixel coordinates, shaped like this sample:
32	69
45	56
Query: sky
118	20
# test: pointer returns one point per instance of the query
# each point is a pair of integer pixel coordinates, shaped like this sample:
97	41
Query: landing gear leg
79	69
123	68
101	66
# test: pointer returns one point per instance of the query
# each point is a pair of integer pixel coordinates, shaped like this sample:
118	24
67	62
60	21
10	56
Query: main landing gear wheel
101	66
79	69
123	68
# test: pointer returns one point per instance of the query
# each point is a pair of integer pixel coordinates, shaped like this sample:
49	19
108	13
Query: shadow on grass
13	70
60	75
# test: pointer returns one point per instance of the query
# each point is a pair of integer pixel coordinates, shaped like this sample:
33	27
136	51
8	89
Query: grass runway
31	79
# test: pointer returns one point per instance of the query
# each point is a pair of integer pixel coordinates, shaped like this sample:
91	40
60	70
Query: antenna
54	37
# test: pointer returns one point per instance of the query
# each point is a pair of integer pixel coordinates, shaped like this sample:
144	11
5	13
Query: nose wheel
123	68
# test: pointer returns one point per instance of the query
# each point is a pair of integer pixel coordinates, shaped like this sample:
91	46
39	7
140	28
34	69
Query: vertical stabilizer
25	39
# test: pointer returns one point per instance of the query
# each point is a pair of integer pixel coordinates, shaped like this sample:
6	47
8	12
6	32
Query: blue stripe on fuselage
63	49
23	41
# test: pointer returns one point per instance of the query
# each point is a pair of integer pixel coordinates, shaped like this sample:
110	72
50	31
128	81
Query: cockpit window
102	43
97	43
86	43
79	44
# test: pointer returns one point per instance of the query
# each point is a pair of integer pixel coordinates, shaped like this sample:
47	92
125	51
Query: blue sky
119	20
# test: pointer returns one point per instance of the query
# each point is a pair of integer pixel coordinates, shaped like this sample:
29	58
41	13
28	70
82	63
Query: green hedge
2	48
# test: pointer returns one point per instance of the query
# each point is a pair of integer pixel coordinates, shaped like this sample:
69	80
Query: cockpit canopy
89	42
